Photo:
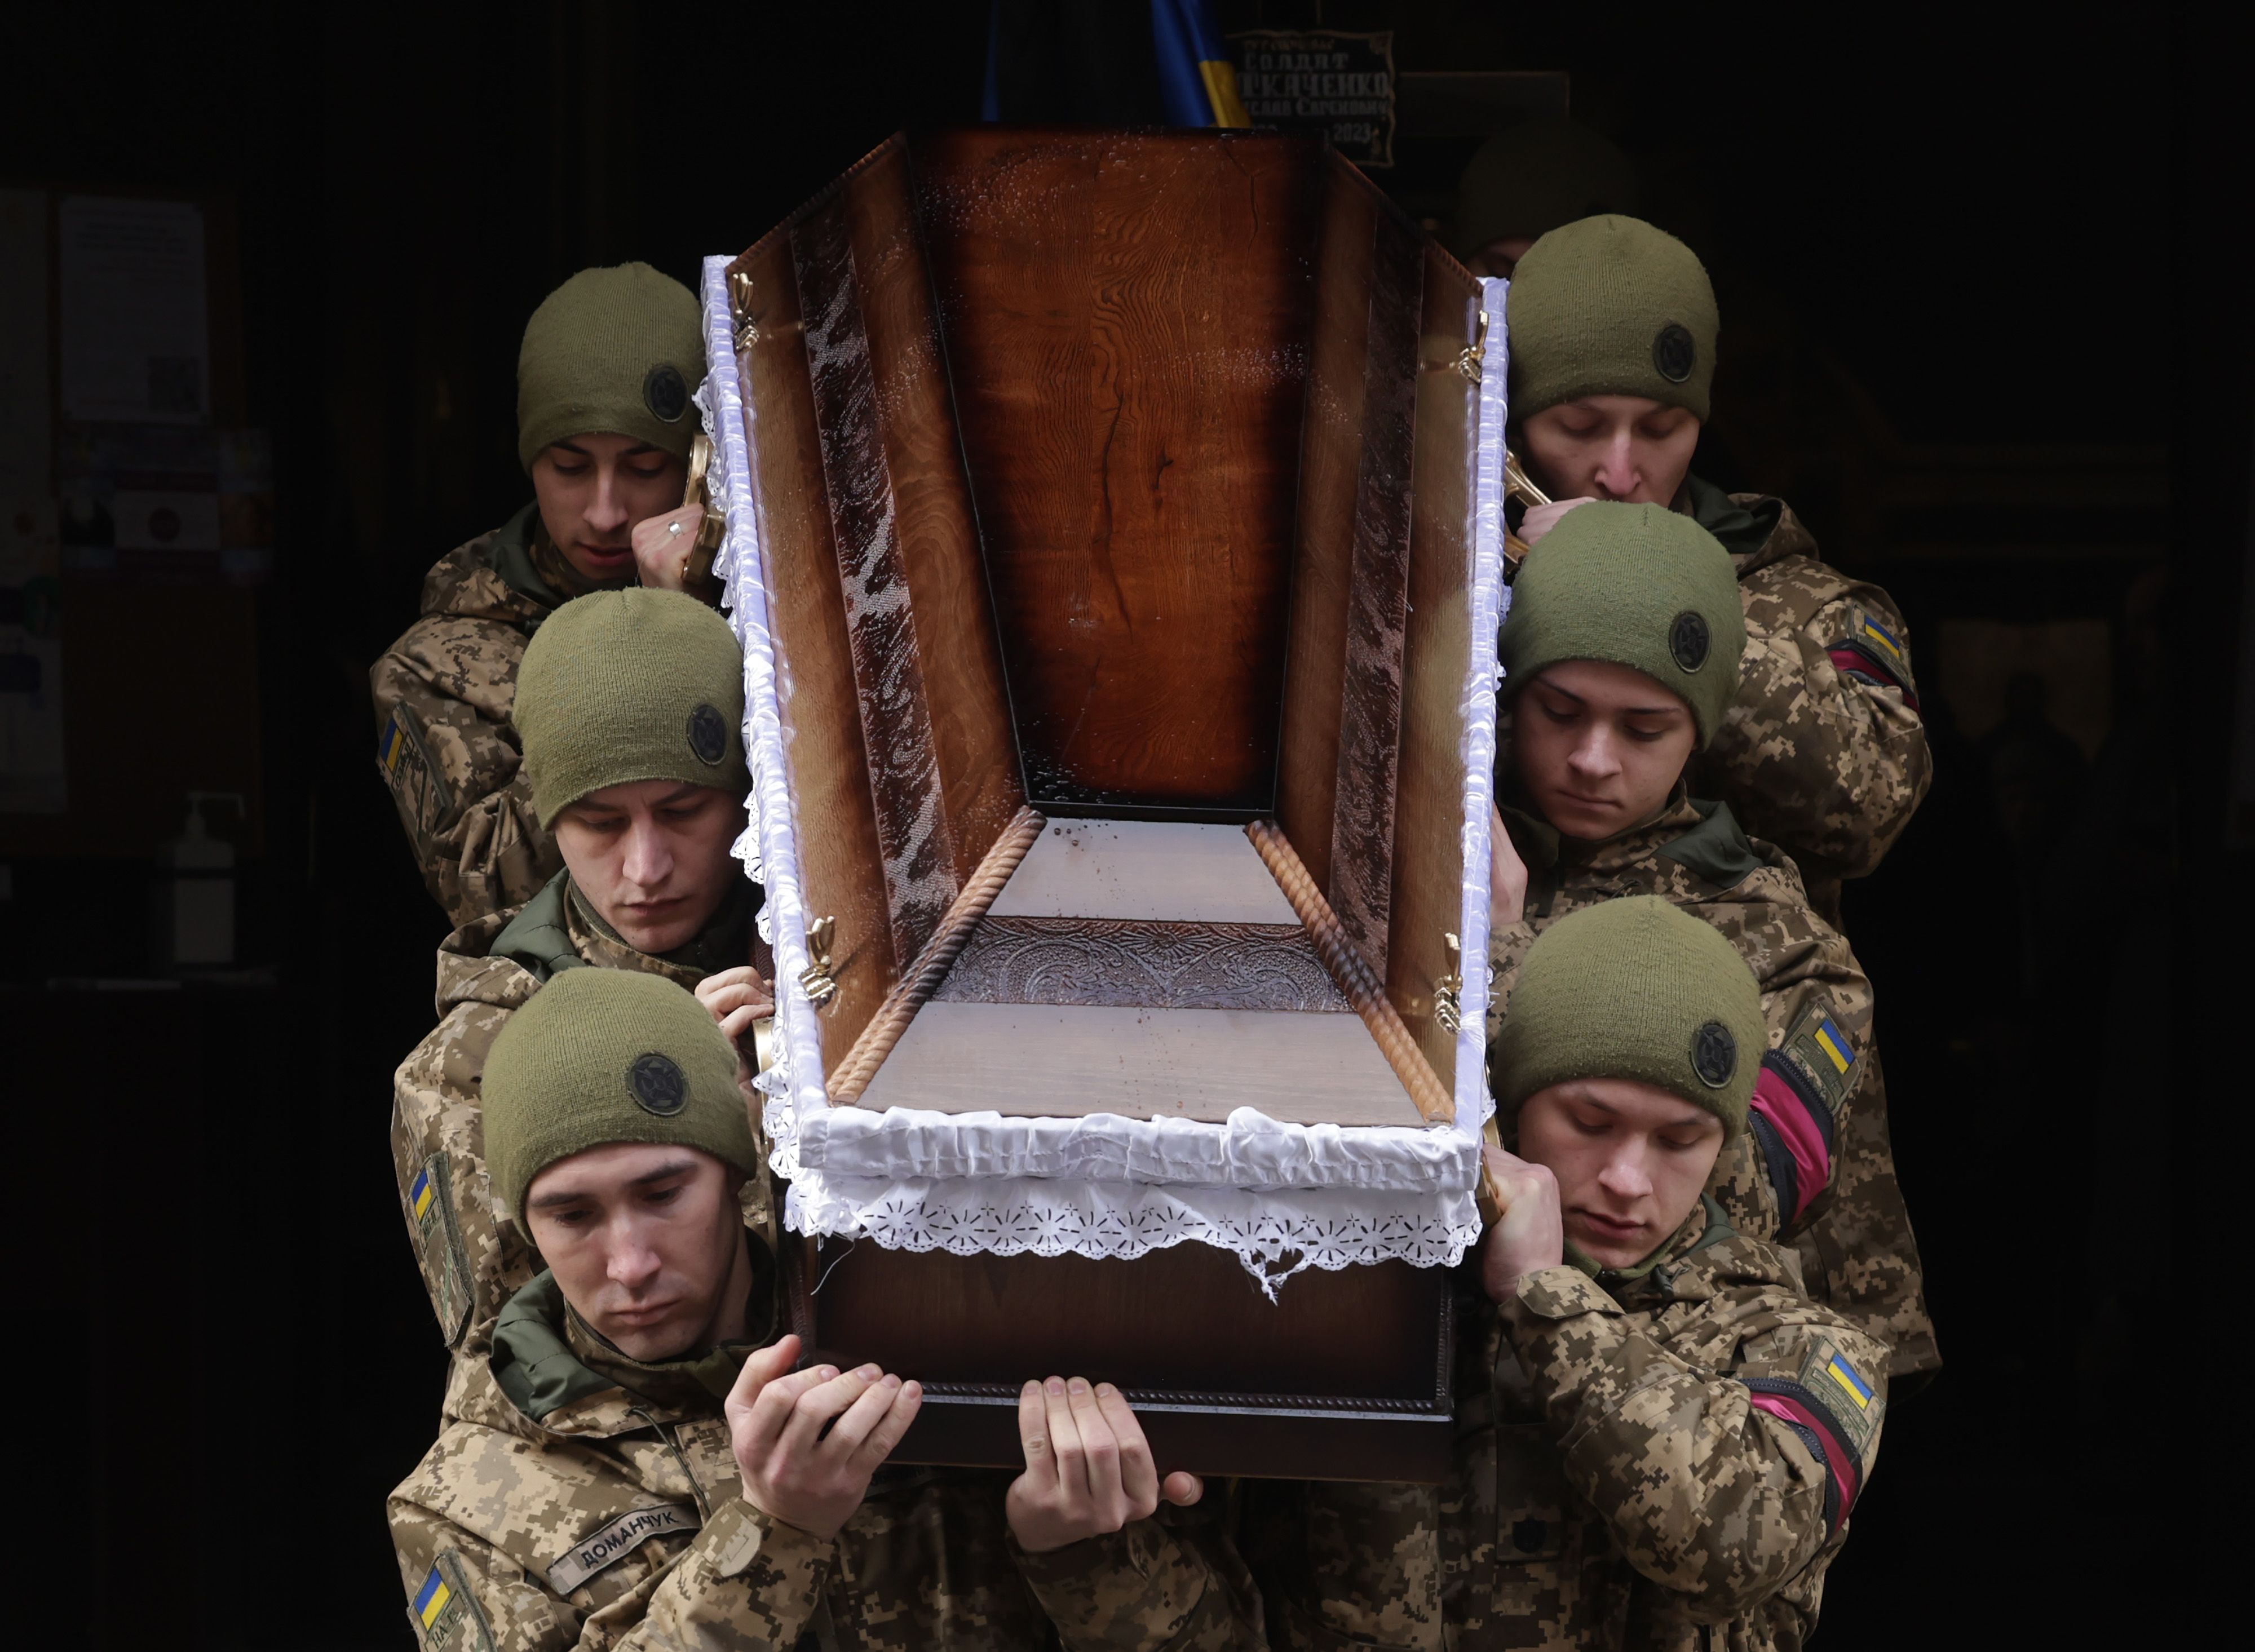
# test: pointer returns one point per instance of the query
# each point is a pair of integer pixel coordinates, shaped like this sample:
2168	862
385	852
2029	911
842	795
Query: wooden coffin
1112	500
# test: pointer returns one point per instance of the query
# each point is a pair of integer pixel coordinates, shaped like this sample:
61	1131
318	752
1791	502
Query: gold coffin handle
697	572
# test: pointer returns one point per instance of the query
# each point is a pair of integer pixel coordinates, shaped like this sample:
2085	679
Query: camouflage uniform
1818	1080
445	742
1641	1458
579	1499
472	1261
1823	752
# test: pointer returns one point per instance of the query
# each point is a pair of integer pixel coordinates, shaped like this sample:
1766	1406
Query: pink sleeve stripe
1839	1461
1776	1100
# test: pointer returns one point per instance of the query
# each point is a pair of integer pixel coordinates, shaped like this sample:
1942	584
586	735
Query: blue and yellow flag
1850	1384
1835	1043
421	1193
430	1599
1197	80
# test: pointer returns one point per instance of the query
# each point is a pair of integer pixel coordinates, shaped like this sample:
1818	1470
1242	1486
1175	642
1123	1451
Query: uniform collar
1705	1226
1544	848
723	943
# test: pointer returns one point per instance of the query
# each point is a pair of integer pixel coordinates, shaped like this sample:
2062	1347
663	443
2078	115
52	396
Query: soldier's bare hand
1539	520
1506	875
736	998
793	1470
1088	1467
1531	1233
662	547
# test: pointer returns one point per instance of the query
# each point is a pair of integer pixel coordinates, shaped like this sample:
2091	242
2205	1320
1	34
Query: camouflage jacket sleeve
446	748
1724	1457
744	1581
472	1261
1816	1002
1169	1584
1824	750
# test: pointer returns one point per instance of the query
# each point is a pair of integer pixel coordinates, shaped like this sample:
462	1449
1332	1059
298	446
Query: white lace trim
1491	602
920	1179
1275	1235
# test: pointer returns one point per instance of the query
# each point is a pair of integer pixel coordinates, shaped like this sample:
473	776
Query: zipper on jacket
665	1431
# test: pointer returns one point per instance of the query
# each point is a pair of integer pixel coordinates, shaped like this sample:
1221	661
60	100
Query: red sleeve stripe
1796	1134
1867	664
1796	1407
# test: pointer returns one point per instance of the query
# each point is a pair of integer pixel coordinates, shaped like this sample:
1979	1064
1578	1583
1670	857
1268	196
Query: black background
2006	225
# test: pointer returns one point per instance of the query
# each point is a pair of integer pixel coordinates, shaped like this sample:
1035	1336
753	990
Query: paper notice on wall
31	659
135	334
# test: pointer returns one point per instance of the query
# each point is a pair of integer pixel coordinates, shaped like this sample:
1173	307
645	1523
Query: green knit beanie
1634	989
1640	585
630	685
599	1056
1540	174
619	350
1609	306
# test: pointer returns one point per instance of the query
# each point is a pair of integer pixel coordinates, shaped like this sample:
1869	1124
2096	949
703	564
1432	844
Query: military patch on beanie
599	1056
620	686
1609	306
1634	989
618	350
1638	585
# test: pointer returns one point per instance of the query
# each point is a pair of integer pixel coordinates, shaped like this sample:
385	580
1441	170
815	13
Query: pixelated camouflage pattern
1870	1263
472	1257
1857	1252
1613	1484
926	1561
450	682
1173	1582
1827	766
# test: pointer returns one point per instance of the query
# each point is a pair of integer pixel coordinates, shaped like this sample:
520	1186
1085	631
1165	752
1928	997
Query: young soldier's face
1598	747
652	858
647	1243
1629	1159
1628	448
592	490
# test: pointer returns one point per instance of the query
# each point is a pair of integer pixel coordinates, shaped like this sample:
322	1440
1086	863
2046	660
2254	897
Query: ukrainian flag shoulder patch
445	1614
431	1223
1849	1398
1824	1053
1882	645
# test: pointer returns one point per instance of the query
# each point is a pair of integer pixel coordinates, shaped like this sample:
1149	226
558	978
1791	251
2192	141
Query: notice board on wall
136	516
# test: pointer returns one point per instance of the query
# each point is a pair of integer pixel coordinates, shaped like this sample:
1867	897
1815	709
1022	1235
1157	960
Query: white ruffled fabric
1102	1186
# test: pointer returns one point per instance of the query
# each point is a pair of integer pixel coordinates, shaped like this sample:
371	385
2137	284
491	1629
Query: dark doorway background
1968	270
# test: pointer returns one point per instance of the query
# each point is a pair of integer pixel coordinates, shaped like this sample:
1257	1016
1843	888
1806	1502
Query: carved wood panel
1131	963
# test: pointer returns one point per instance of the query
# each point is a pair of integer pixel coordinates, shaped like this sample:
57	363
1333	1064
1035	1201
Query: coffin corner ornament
1118	564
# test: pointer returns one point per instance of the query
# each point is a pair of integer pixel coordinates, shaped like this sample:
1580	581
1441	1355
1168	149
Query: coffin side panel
913	829
1151	1323
840	855
1330	456
1428	867
1363	845
966	703
1125	316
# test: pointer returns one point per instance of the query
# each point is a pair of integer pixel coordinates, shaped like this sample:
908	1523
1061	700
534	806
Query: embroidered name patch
610	1544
